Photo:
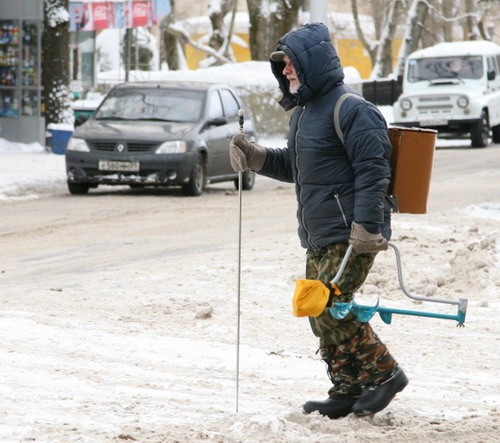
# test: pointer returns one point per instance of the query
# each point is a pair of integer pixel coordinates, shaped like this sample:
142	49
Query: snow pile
28	171
118	311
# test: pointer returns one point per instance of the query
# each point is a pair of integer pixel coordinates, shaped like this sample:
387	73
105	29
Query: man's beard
294	88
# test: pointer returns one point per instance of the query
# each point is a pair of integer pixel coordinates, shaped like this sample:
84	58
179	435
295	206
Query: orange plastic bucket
412	159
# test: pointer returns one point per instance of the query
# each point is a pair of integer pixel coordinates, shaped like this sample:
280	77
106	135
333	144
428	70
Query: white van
453	88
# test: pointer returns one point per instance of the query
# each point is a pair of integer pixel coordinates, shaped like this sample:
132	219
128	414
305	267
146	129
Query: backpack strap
391	199
336	113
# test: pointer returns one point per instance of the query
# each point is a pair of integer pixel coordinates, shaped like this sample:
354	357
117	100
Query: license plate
437	122
106	165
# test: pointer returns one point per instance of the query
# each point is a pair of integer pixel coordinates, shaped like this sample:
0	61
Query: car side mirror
219	121
491	75
81	119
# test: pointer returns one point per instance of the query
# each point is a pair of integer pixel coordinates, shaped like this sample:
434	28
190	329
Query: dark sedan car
159	134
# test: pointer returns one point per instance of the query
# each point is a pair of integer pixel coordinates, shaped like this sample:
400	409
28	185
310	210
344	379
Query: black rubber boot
375	398
334	407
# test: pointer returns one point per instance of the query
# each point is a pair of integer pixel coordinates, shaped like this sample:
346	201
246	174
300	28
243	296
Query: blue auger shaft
386	314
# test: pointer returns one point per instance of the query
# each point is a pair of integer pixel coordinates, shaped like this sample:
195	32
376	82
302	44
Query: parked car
159	134
454	88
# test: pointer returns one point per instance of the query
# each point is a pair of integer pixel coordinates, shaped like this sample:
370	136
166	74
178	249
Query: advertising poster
96	15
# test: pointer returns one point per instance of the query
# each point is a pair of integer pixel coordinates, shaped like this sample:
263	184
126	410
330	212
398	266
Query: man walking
341	188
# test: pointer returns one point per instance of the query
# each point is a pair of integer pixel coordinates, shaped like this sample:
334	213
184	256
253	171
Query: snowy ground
95	368
81	365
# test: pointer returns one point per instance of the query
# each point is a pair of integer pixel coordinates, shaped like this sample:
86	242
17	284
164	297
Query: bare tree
55	63
431	21
135	52
414	27
368	44
380	49
172	51
383	58
267	25
449	8
474	18
471	20
485	11
218	50
221	37
424	22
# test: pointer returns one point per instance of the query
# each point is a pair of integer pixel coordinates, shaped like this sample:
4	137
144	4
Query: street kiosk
21	118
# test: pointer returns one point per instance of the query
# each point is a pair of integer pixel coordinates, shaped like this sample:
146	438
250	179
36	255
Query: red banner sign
142	13
95	15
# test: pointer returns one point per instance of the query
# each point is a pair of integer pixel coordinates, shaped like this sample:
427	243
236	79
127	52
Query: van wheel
496	133
480	132
198	180
78	188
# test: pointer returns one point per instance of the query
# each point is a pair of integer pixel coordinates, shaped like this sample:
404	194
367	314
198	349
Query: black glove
362	241
245	154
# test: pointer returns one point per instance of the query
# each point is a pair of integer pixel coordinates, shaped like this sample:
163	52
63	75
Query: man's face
290	73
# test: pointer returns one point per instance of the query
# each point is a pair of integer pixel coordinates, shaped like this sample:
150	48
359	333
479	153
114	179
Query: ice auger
364	313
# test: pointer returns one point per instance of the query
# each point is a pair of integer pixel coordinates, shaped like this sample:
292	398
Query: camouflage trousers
354	355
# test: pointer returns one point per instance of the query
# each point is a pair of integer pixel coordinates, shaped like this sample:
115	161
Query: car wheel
480	132
248	180
78	188
198	180
496	134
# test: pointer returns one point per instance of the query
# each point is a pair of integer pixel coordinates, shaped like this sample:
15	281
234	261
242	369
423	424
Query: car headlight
172	147
405	104
462	102
77	144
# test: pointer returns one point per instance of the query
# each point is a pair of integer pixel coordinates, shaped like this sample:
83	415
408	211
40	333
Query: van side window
492	68
498	64
491	64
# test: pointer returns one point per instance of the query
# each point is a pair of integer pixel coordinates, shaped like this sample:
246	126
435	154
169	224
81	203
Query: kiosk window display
21	117
19	62
9	67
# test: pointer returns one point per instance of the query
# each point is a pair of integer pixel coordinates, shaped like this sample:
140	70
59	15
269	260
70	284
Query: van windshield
470	67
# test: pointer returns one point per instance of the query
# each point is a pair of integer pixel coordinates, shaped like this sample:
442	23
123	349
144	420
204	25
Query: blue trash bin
60	135
60	140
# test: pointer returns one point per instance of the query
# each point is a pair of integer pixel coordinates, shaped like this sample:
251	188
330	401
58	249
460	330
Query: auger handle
343	264
461	302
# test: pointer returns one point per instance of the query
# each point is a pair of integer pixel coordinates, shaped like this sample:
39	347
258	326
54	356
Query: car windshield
470	67
175	105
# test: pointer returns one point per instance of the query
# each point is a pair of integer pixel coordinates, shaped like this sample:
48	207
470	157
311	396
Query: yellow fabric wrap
310	298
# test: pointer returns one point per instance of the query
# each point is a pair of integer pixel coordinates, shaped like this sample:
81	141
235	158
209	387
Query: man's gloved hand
245	154
362	241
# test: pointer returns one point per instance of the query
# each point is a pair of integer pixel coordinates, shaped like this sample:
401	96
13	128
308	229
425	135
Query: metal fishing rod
241	113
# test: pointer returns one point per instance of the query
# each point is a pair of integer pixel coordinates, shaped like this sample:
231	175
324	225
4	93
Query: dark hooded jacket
335	183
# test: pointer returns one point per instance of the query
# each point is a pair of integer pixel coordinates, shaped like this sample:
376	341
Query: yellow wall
351	53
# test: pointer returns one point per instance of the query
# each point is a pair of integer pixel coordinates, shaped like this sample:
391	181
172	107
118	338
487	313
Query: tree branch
177	30
370	46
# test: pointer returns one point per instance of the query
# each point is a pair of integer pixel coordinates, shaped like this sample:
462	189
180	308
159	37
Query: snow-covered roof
472	47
